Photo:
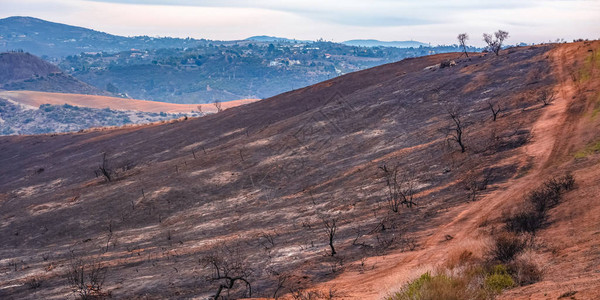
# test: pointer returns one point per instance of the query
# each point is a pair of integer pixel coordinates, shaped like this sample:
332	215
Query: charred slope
265	177
23	71
17	66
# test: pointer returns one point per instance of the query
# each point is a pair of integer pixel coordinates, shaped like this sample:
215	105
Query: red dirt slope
36	99
568	249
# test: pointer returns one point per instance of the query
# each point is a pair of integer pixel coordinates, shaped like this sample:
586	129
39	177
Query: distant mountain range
377	43
57	40
356	43
274	39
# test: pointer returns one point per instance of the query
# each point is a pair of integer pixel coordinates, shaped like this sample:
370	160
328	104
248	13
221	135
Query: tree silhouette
495	43
462	39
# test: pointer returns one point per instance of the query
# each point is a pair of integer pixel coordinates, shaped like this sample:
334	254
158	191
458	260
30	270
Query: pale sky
434	21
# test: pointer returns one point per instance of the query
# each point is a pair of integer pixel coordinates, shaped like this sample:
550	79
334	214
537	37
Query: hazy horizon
435	22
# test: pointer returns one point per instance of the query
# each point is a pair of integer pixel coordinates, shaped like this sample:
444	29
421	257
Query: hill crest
24	71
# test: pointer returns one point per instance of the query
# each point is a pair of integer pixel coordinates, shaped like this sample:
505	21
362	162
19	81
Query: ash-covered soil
256	184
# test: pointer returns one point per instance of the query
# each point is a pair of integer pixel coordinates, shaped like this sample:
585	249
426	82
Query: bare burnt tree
495	108
400	187
104	170
330	226
267	239
282	280
227	267
494	43
547	96
455	132
462	40
86	277
473	187
476	182
217	104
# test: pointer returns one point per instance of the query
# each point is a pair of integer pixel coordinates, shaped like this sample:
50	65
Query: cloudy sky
434	21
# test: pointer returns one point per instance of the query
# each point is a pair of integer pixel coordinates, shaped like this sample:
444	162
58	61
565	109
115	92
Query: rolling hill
23	71
29	112
21	66
35	99
256	191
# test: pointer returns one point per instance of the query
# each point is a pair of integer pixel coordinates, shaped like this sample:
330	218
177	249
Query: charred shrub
545	197
86	278
533	215
34	283
525	272
526	221
567	182
550	193
506	246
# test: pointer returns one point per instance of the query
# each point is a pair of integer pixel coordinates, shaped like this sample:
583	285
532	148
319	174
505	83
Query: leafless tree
547	96
109	236
476	182
495	42
104	170
86	277
282	279
495	108
199	109
217	104
455	132
462	39
401	187
330	227
228	267
267	239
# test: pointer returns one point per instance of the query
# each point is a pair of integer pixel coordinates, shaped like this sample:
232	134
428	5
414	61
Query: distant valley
196	70
18	116
29	112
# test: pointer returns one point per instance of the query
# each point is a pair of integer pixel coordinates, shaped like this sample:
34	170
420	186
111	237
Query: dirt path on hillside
572	238
393	270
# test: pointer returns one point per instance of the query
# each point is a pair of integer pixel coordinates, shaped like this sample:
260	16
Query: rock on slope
264	178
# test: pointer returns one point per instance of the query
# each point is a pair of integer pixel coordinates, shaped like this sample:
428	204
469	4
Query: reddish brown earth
36	99
570	249
279	165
